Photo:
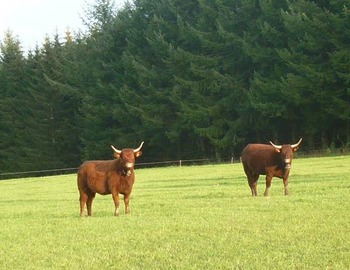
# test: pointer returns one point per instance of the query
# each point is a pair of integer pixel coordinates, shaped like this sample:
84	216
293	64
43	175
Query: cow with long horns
108	177
270	160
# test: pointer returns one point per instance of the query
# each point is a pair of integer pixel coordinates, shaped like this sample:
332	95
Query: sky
32	20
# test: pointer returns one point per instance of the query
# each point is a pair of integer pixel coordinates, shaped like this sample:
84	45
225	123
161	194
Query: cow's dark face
127	158
286	155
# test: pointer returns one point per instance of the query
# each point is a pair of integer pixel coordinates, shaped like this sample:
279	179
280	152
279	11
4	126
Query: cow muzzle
128	168
287	161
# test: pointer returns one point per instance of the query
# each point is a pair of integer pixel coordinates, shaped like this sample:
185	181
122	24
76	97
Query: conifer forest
193	79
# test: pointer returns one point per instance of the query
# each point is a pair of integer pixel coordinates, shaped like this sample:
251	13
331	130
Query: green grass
196	217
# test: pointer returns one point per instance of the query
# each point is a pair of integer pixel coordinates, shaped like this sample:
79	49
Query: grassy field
196	217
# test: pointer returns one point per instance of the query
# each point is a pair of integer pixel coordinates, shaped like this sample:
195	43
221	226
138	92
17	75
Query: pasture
190	217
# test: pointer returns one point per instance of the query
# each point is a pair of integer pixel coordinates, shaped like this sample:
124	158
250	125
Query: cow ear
138	153
296	148
116	155
277	150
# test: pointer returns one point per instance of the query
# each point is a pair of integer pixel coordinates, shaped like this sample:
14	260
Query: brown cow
270	160
108	177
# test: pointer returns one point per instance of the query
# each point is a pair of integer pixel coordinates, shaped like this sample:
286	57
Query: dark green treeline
193	79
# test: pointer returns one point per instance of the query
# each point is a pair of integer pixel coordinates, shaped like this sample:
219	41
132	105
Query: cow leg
268	185
83	199
253	181
89	203
285	183
116	203
126	202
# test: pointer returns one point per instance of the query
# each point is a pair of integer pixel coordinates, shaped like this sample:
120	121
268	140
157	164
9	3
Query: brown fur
262	159
107	177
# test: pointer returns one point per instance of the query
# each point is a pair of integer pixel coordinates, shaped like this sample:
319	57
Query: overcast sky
31	20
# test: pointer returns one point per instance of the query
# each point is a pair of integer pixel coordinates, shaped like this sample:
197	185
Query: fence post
180	162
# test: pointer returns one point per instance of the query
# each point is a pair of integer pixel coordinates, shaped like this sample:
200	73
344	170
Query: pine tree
101	112
314	35
340	65
270	114
208	87
16	149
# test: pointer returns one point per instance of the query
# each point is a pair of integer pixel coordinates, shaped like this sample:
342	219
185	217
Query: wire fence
181	162
9	175
174	163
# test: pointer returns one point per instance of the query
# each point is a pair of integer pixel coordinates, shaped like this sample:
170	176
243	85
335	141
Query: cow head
286	151
127	157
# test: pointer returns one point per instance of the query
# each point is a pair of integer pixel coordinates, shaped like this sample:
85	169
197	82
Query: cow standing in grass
270	160
108	177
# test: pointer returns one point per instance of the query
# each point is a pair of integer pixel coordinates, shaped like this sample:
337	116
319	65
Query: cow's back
257	157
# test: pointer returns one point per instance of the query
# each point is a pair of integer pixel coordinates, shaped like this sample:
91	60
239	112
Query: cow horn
139	148
297	144
116	150
276	146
